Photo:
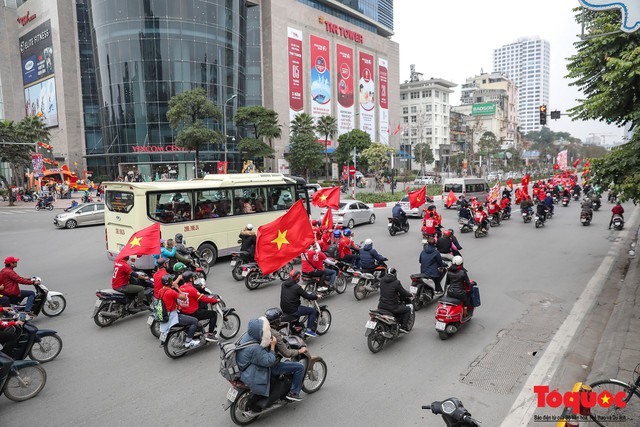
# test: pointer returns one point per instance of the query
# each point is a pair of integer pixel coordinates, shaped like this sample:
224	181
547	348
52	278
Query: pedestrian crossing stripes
14	211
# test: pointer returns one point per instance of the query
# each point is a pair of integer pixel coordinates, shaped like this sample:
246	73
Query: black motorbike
112	305
199	264
526	215
595	204
494	220
21	379
565	201
453	413
383	326
585	218
366	283
291	324
618	222
395	225
44	204
424	289
312	284
42	345
465	225
238	259
253	276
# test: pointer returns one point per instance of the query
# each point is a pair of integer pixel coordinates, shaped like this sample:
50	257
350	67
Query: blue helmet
336	233
347	232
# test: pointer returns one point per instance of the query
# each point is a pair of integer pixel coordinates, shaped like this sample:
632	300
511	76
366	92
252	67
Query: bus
209	212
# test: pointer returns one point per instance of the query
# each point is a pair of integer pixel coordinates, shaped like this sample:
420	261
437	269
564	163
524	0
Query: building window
414	109
403	96
414	119
405	119
415	95
426	94
414	132
437	93
427	108
405	110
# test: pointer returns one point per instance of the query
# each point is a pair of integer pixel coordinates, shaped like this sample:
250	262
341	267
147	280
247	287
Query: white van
470	187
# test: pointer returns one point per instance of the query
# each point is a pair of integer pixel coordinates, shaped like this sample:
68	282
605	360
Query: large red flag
327	220
525	181
586	165
327	197
519	196
417	198
510	183
143	242
576	163
282	240
451	199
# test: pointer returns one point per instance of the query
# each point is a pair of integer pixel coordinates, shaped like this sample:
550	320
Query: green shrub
380	197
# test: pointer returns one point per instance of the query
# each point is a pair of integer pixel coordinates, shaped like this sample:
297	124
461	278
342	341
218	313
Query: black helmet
167	279
273	315
188	275
178	238
392	271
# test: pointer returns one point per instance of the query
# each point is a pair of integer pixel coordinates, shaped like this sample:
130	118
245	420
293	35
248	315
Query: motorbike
539	222
565	201
453	413
424	289
506	214
576	196
526	215
450	315
344	272
49	303
238	259
247	407
199	264
312	284
585	218
383	326
42	345
394	226
494	221
291	324
480	231
253	276
556	199
465	225
21	379
87	199
618	222
595	204
44	204
366	283
112	305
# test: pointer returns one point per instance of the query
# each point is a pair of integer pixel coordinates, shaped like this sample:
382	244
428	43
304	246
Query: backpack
332	250
229	368
160	312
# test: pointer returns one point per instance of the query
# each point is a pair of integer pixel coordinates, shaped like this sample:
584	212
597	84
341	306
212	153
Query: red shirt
480	216
617	210
157	281
121	272
313	260
429	225
505	203
10	279
326	241
493	208
193	297
344	246
170	298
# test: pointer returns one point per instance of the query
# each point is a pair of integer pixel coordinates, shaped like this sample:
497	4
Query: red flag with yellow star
327	220
327	197
451	199
143	242
417	198
282	240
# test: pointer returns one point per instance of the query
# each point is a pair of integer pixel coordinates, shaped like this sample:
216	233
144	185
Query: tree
456	161
377	156
423	154
305	154
358	139
328	127
263	121
254	149
187	112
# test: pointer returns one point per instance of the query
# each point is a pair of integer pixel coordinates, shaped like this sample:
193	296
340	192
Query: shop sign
486	109
156	148
341	31
24	20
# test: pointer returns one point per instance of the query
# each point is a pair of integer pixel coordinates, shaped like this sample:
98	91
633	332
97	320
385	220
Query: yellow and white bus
208	212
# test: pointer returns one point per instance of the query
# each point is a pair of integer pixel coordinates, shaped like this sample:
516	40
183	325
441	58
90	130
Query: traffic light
543	114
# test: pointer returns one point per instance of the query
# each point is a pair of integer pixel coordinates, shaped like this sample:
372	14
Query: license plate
440	326
98	302
231	394
245	273
389	225
150	320
413	289
355	280
371	324
234	262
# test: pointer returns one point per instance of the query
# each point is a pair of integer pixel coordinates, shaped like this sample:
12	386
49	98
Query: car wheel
71	223
372	219
351	223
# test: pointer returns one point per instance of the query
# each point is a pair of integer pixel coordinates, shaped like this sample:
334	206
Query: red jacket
480	216
121	272
617	210
193	297
429	225
10	279
344	246
312	260
157	281
493	208
6	323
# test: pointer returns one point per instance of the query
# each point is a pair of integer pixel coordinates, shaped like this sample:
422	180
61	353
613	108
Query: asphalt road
529	279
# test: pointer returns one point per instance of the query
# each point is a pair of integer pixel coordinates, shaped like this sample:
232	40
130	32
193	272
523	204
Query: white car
424	180
352	212
312	188
415	212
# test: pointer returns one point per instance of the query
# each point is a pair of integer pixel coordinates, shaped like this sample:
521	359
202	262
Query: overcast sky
454	40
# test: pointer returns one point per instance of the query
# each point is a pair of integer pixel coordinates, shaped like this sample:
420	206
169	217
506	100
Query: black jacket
391	291
443	245
369	256
248	242
456	281
290	293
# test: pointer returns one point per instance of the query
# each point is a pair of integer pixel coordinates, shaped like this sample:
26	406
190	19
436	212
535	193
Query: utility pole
355	168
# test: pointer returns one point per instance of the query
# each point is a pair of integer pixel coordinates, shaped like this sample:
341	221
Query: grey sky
454	40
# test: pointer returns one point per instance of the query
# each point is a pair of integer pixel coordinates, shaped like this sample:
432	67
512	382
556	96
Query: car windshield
456	188
342	205
405	199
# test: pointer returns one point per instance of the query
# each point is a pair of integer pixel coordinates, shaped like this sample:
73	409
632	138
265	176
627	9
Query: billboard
383	97
320	77
40	100
345	79
36	54
367	94
296	94
486	109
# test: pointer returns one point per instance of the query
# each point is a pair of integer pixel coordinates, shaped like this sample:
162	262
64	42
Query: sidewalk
57	204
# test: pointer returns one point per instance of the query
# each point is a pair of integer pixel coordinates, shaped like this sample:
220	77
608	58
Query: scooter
585	218
312	284
450	315
494	221
291	324
238	259
453	413
539	222
253	276
424	289
480	231
394	226
247	407
465	225
565	201
383	326
112	305
21	379
42	345
618	222
526	215
506	213
595	204
49	303
44	204
366	283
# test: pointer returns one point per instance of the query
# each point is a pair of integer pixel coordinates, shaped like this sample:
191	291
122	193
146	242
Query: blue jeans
192	322
31	296
331	275
292	368
304	310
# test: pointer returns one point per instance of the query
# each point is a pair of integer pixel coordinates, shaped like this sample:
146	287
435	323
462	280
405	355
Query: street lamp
224	124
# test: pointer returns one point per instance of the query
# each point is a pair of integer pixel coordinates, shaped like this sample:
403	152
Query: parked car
352	212
415	212
84	214
424	180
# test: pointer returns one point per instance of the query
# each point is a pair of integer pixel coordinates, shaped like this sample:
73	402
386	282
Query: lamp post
224	124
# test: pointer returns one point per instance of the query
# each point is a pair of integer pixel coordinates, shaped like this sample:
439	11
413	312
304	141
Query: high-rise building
527	63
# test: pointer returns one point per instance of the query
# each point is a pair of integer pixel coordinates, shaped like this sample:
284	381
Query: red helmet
314	222
446	232
295	275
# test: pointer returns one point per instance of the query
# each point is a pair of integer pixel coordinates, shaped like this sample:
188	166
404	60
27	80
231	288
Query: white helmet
249	226
457	260
368	242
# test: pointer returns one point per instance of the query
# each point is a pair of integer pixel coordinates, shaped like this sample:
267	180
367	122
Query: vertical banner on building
383	77
367	87
37	165
320	77
344	66
296	94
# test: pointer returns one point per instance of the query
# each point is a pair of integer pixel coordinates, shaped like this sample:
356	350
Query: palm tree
302	124
327	126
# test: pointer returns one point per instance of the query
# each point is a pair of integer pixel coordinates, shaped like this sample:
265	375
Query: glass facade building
380	11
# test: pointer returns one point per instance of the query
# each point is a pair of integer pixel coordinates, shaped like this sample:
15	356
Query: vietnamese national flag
586	165
417	198
519	196
327	197
327	220
143	242
510	183
525	181
280	241
575	164
451	199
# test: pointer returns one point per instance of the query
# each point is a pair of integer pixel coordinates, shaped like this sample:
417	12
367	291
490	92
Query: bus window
281	197
119	201
170	206
456	188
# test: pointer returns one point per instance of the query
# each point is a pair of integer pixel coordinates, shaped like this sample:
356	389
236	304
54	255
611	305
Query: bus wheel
208	252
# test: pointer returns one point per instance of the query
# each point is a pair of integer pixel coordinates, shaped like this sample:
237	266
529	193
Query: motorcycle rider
526	204
170	295
548	202
10	281
8	336
576	189
248	237
481	218
392	294
616	210
444	245
122	275
430	261
180	247
457	247
191	306
158	275
458	283
464	211
347	248
313	266
369	257
493	207
171	253
541	211
595	198
399	215
505	204
290	293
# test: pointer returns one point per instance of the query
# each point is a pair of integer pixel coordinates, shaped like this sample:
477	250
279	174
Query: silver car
84	214
415	212
352	212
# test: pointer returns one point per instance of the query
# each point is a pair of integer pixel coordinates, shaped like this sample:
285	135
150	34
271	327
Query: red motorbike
450	314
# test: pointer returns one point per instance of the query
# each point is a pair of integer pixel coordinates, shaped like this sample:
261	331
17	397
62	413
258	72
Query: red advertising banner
345	75
367	96
383	77
296	98
320	77
222	167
